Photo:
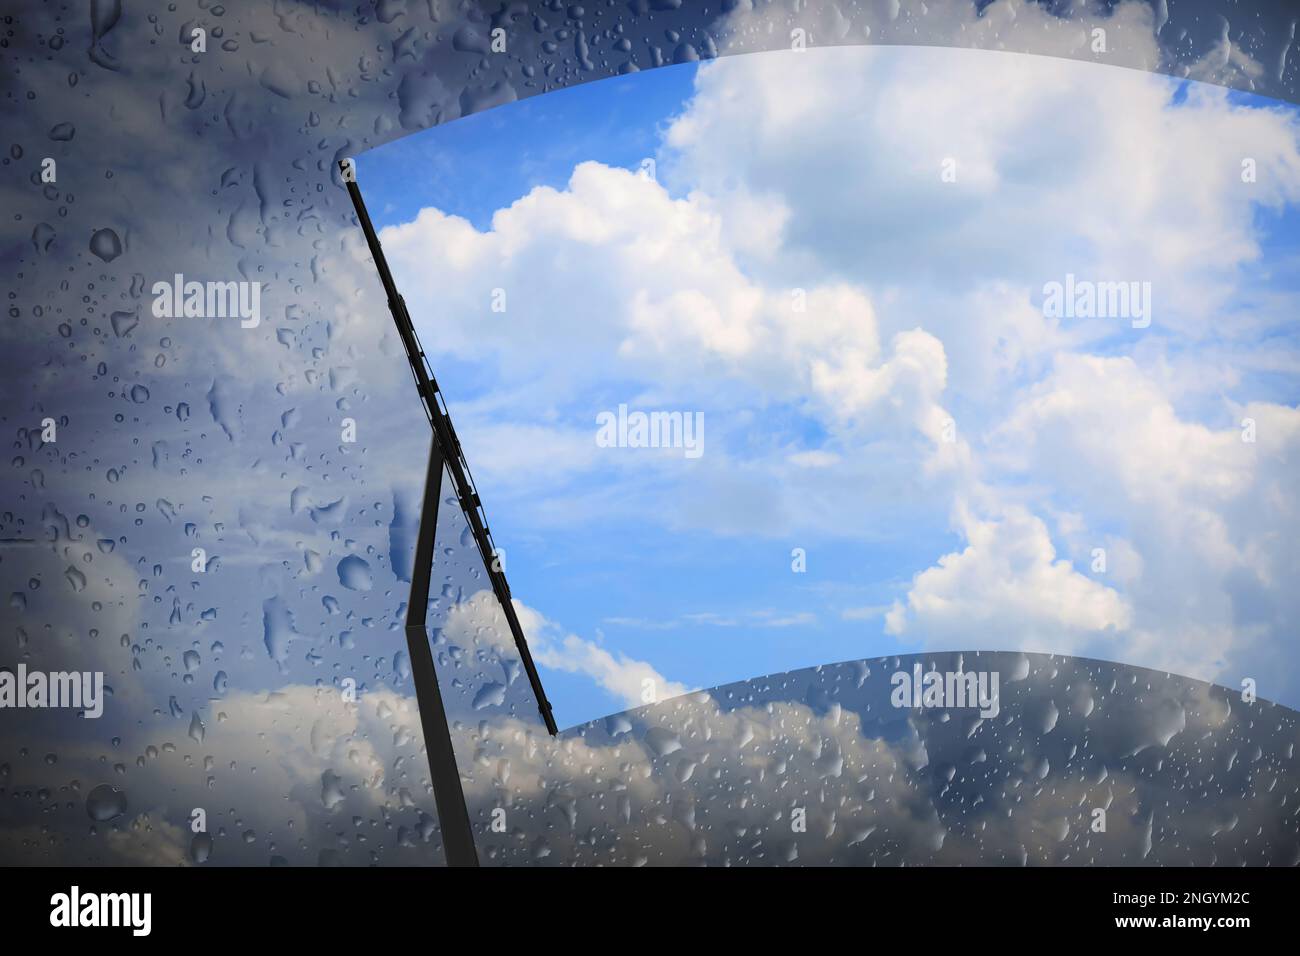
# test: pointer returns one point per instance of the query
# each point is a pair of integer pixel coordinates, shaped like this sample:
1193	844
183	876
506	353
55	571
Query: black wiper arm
435	410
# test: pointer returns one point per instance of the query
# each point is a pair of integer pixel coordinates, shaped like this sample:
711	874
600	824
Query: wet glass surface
220	517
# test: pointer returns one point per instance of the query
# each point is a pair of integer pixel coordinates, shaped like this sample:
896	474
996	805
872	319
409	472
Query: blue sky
606	578
832	445
475	165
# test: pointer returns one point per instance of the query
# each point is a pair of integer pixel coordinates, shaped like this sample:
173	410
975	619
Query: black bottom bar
916	909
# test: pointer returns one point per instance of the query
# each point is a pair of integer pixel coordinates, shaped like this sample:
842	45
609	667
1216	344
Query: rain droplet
354	573
106	244
201	847
123	323
105	803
